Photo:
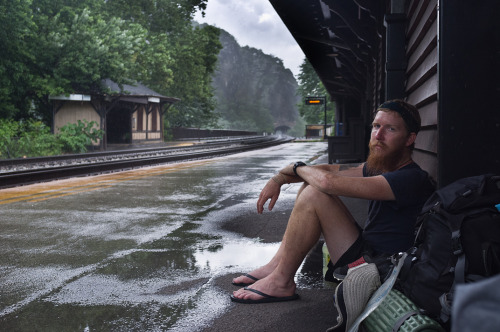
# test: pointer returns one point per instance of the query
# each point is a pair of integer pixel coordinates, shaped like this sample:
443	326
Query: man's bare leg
266	269
314	213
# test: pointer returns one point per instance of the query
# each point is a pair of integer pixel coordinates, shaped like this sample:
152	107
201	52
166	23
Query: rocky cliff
254	91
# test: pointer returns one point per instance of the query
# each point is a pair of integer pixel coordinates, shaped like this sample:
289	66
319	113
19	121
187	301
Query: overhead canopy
340	38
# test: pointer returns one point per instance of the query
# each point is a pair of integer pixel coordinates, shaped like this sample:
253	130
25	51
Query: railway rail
19	172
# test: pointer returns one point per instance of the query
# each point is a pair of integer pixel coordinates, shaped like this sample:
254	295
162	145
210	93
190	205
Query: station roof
339	38
138	93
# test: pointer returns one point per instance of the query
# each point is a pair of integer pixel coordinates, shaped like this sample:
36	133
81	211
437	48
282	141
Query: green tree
16	57
195	60
182	57
157	16
310	85
51	47
154	64
79	49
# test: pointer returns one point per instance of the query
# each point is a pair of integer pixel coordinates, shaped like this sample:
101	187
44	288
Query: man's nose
379	134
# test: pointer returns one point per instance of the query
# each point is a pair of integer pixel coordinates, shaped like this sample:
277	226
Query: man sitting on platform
395	185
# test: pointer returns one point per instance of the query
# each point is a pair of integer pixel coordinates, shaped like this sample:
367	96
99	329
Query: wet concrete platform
154	249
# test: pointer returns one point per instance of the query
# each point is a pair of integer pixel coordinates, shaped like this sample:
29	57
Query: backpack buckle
456	244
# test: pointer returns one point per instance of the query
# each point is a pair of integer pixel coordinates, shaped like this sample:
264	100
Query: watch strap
296	165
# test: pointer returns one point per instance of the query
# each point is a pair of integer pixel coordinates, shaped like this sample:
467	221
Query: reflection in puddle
242	255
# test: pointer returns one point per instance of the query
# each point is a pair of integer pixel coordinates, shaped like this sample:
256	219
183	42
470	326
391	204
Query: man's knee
311	195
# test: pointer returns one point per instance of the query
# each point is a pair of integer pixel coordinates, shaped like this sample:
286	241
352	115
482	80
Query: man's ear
411	139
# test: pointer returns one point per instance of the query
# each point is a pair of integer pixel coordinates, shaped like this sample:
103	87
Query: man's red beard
382	160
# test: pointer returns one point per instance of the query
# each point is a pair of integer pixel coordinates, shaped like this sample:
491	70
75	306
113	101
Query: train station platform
156	248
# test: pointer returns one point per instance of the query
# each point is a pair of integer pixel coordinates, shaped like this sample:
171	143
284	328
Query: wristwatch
298	164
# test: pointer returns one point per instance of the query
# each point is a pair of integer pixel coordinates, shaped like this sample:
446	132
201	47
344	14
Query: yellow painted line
61	188
62	194
36	196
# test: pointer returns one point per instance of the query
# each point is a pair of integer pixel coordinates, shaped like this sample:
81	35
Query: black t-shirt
391	224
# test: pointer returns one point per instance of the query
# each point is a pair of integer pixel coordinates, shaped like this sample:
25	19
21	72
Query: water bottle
326	259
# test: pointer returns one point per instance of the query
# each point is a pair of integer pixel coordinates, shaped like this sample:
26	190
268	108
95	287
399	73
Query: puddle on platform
244	255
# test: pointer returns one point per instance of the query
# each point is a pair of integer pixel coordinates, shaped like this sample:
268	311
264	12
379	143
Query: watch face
298	164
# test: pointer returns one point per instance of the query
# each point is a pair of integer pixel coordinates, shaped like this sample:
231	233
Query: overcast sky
255	23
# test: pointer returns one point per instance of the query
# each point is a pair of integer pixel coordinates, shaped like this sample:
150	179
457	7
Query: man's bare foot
269	286
249	278
244	280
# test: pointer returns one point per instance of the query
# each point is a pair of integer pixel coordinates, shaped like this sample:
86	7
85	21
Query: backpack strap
459	252
407	264
403	319
446	300
491	257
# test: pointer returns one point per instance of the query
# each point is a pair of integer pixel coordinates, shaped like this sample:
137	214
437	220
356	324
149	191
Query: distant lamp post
318	101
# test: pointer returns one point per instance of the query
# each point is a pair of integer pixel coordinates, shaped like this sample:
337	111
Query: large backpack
458	241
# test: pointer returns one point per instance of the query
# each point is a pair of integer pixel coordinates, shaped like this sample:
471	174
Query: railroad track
34	170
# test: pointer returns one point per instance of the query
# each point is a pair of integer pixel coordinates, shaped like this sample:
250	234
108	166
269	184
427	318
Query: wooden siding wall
422	79
153	120
72	111
139	115
153	124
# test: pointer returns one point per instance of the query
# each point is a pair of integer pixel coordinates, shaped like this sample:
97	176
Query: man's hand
271	191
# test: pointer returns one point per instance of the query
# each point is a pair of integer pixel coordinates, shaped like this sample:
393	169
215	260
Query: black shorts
359	248
355	251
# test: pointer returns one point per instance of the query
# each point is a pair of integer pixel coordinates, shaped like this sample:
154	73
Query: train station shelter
128	114
441	56
318	130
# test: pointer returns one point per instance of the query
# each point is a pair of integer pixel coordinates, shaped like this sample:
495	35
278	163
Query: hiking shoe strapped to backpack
352	294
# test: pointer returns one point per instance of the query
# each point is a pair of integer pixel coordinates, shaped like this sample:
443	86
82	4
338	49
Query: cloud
255	23
266	17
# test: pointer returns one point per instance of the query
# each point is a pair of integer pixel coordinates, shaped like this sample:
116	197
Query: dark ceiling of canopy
340	38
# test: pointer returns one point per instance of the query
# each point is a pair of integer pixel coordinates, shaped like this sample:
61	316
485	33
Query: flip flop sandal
266	298
243	284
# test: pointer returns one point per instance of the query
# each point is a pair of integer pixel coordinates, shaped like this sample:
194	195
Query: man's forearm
286	175
338	169
282	178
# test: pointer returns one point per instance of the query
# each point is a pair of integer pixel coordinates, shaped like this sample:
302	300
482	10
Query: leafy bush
37	140
9	130
34	139
26	139
75	138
